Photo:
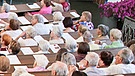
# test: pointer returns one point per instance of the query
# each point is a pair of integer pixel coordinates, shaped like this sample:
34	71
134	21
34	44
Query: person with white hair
26	38
56	36
59	69
71	45
21	72
40	63
37	22
91	62
5	10
57	19
56	6
43	47
123	61
115	37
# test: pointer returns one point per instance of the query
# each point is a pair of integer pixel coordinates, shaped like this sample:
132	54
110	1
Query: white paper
113	1
55	48
67	36
4	52
12	7
38	38
27	50
35	5
23	20
2	26
24	27
27	42
45	20
39	57
13	59
75	14
23	67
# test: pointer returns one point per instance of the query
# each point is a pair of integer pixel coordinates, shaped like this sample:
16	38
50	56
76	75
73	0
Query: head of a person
59	53
81	30
14	24
14	47
83	48
67	22
4	63
57	16
106	57
61	1
30	32
68	58
102	30
71	45
92	58
46	3
115	34
6	39
44	45
5	8
56	32
86	16
132	47
19	71
41	61
79	73
12	15
59	69
37	18
124	56
87	36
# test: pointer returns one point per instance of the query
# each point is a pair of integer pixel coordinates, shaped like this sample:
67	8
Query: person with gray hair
87	37
37	22
71	45
115	37
123	63
56	35
43	47
5	10
92	60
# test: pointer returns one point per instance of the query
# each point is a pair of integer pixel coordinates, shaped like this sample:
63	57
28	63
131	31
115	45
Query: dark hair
15	47
67	22
104	29
130	42
83	48
47	2
59	53
14	24
78	73
106	57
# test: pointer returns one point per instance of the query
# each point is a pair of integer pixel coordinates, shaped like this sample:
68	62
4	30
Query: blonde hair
82	29
116	34
88	15
4	63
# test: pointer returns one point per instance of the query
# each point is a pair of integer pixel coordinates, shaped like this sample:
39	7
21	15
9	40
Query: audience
5	9
123	63
68	24
57	6
71	45
66	5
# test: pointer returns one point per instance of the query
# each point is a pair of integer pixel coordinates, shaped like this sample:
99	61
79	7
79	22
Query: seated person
5	9
26	38
66	5
56	6
81	31
123	63
132	47
14	47
56	36
106	58
40	64
115	37
4	64
85	20
5	40
83	48
43	47
68	24
37	22
102	32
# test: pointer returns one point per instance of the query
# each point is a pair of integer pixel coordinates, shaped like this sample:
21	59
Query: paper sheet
13	59
23	67
23	20
12	7
39	57
4	52
34	6
27	50
55	48
38	38
67	36
45	20
113	0
24	27
75	14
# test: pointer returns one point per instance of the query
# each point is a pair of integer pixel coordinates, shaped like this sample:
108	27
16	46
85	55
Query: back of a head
6	38
47	2
104	29
15	47
4	63
39	18
12	15
82	29
18	72
6	7
78	73
31	32
59	53
14	24
116	34
68	58
92	58
44	45
132	47
58	31
57	16
87	36
83	48
67	22
87	15
71	45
